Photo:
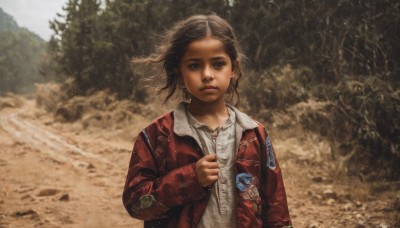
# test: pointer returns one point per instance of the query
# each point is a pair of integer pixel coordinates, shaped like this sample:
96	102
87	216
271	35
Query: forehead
206	47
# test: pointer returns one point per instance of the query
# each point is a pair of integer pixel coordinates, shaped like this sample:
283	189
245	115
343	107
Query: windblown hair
173	47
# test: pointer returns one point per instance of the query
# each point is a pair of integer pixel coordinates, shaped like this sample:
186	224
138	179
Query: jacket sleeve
149	196
275	210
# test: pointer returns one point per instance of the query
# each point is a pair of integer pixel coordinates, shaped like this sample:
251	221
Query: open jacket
162	188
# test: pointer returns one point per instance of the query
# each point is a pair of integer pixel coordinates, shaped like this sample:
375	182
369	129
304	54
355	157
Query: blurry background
323	76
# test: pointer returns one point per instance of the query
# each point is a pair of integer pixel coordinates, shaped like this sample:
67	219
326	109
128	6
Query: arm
149	196
275	210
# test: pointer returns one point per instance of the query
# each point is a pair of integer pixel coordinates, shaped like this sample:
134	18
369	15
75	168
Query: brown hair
172	49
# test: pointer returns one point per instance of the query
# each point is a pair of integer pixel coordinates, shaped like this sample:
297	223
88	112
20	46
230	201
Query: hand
207	170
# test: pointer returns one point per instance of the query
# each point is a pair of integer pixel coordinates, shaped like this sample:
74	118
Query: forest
21	55
343	53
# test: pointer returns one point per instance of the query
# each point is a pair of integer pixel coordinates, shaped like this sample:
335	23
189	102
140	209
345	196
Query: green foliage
333	38
344	52
362	125
95	45
277	88
7	22
73	42
368	108
360	118
20	54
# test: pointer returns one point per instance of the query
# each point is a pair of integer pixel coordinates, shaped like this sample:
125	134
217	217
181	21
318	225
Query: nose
208	73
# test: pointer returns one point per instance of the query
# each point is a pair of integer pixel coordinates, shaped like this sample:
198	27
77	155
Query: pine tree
73	42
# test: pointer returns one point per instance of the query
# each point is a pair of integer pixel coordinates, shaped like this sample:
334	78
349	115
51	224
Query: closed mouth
208	87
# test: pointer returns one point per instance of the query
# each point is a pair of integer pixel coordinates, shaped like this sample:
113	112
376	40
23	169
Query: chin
210	100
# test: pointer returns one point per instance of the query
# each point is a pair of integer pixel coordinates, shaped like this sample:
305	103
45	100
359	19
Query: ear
235	65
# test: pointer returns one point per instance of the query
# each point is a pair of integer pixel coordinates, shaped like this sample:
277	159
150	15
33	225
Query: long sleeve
275	211
149	196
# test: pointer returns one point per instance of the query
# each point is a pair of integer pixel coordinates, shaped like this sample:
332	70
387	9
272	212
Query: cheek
189	78
228	72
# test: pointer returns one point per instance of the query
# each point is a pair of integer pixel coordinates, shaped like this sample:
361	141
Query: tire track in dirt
55	146
85	177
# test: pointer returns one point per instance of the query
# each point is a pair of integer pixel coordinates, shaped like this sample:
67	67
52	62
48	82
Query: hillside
7	22
21	55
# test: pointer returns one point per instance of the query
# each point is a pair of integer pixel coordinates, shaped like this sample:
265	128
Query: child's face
206	70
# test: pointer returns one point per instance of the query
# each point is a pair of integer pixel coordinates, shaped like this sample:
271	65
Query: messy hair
173	47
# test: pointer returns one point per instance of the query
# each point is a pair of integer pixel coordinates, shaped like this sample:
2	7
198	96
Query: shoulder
260	130
260	126
162	124
244	120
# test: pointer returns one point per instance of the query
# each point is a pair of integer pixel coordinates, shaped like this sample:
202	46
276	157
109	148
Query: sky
34	14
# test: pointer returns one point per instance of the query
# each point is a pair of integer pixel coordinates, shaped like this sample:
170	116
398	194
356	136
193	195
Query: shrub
277	88
366	114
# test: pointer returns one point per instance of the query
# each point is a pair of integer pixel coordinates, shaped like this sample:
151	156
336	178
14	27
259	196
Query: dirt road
54	178
60	175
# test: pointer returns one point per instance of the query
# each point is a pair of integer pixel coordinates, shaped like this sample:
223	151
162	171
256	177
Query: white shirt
221	207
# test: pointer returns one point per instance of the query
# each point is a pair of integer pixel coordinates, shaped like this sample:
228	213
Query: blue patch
270	155
243	181
247	185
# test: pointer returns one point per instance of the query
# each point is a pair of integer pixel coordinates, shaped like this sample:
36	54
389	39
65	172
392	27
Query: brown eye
194	66
219	64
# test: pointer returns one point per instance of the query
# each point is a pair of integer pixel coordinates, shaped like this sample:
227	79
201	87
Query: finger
212	165
212	179
210	157
213	172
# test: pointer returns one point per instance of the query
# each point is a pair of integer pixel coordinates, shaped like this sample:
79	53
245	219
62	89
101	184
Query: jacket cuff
187	187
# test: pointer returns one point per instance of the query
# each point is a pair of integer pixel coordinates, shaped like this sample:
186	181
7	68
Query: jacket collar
182	127
243	119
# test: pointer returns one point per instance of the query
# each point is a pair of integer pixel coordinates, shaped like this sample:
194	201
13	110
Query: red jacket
162	188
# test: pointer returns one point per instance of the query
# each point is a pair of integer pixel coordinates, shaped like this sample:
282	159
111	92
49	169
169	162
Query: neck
214	114
199	108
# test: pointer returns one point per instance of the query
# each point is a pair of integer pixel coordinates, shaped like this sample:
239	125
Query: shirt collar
196	124
182	127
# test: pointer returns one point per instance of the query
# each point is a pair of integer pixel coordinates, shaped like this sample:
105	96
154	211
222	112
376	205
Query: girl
205	164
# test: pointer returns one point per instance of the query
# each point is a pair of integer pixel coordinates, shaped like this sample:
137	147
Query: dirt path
50	179
58	175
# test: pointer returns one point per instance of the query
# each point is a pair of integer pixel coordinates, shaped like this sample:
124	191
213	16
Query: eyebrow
213	58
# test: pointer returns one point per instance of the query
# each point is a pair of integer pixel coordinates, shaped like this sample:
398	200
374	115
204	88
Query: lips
209	88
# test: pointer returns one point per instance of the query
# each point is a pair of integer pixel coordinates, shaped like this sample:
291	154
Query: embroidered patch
146	202
162	141
247	142
270	155
243	181
247	186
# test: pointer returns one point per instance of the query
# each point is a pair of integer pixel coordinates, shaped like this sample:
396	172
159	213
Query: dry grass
10	101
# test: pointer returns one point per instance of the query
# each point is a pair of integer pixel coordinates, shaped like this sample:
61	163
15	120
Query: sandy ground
61	175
